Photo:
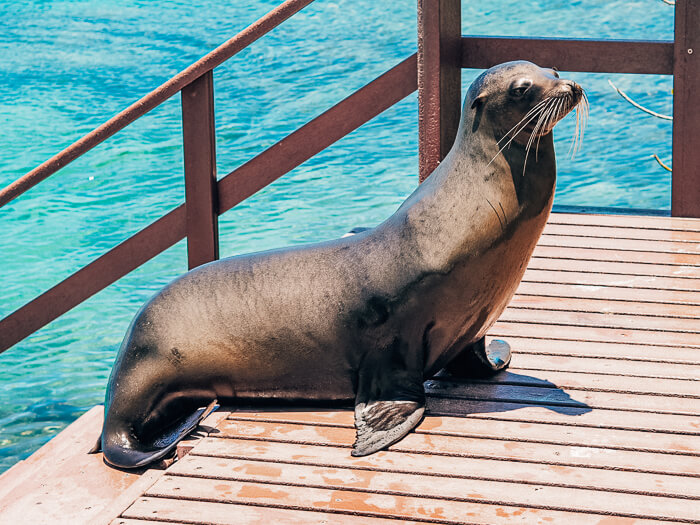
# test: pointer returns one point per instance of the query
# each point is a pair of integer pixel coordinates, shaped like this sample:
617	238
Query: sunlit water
69	65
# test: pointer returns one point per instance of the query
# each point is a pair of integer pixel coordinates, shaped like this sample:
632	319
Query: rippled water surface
68	65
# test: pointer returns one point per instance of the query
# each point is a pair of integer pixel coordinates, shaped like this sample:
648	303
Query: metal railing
435	71
441	57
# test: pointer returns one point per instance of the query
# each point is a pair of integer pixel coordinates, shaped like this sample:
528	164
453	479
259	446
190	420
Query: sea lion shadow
504	392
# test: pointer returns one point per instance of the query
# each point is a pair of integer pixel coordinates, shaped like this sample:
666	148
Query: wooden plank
62	483
627	221
568	435
209	513
468	468
585	333
600	382
269	457
295	478
527	363
608	293
611	254
574	304
599	350
364	503
620	244
621	268
126	521
602	320
616	232
566	416
638	282
531	432
568	398
459	446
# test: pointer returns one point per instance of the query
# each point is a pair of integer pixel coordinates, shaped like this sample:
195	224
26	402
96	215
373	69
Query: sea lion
366	317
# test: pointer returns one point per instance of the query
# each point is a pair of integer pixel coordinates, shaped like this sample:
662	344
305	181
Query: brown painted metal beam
685	189
439	80
318	134
120	260
142	106
199	141
594	56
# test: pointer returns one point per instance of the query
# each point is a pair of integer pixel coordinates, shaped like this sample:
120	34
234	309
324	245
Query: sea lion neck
476	192
494	155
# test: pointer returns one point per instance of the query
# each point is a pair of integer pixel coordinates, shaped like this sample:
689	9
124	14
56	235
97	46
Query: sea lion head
520	100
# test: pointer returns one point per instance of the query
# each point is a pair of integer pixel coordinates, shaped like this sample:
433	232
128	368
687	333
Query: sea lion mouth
544	115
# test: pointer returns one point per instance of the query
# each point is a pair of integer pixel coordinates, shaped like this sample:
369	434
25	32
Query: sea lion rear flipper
132	453
97	447
479	360
382	423
390	398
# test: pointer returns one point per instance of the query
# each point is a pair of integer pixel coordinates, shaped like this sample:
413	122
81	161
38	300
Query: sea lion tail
123	450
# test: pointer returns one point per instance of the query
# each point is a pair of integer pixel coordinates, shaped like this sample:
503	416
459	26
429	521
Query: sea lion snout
568	88
576	90
522	100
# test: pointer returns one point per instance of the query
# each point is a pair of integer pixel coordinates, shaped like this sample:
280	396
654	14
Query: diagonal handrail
280	158
442	51
156	97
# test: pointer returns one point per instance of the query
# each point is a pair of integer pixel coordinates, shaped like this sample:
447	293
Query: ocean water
68	65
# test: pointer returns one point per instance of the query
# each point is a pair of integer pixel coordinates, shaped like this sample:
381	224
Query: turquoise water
69	65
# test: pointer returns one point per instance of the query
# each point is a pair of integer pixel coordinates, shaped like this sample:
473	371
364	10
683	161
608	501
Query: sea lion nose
576	90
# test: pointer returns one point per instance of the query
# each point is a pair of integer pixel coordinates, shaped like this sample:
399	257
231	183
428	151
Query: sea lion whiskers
544	116
537	146
557	108
547	116
536	109
582	112
584	103
574	139
532	114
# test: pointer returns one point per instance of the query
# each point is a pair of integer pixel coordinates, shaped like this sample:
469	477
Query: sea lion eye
519	87
555	72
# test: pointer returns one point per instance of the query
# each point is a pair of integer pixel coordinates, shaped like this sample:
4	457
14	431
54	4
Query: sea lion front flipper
390	398
480	360
382	423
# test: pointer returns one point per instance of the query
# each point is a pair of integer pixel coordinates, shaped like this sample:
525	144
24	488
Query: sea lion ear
479	100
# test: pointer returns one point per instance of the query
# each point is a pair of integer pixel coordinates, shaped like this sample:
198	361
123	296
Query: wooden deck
596	421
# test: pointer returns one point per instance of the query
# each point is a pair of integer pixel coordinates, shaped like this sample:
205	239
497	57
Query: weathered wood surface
62	484
596	421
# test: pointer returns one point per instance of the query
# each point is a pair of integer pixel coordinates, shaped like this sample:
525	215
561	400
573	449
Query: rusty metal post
685	186
201	199
439	80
